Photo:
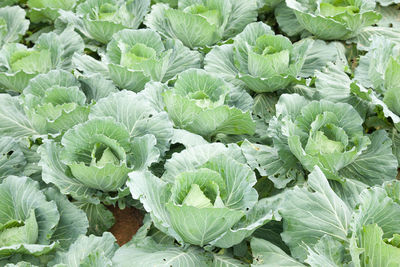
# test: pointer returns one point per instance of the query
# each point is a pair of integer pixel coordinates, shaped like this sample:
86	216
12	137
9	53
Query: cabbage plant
334	20
331	136
96	156
100	19
134	57
207	200
209	21
19	63
263	61
35	222
55	101
204	104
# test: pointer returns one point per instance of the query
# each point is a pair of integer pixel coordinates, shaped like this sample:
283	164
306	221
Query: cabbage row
248	132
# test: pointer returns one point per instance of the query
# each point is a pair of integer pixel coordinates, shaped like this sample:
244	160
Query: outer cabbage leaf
375	165
389	16
150	253
13	120
327	252
268	5
152	247
376	251
333	84
12	159
267	162
327	214
287	20
73	221
96	86
379	207
365	37
12	24
100	218
267	254
20	264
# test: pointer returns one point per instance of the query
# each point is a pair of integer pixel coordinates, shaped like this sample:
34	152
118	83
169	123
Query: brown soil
127	222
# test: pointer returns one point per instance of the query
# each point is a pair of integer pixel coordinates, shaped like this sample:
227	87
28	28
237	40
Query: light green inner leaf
321	144
106	12
270	56
102	155
31	61
97	147
53	112
20	233
271	44
139	53
196	198
212	16
207	185
333	8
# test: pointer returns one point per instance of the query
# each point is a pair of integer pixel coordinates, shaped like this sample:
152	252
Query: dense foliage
247	132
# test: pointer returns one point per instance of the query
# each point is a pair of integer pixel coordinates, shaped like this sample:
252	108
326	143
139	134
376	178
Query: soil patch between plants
127	222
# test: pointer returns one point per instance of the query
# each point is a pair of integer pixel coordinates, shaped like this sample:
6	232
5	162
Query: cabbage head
205	197
318	133
135	57
55	101
263	61
202	103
